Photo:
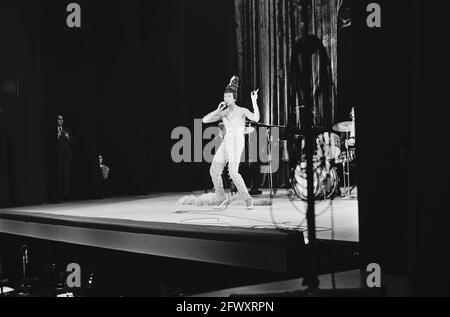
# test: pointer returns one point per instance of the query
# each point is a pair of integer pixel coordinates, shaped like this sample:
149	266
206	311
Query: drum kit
330	151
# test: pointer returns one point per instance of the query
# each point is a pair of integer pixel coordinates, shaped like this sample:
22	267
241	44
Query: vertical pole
311	280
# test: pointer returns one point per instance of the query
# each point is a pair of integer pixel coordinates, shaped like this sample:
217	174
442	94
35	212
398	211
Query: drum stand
346	170
273	191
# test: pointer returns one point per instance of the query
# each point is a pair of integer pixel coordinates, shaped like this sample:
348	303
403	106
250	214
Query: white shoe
223	205
250	203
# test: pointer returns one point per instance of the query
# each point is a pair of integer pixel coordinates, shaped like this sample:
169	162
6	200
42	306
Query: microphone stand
269	153
311	281
24	252
347	167
269	138
2	285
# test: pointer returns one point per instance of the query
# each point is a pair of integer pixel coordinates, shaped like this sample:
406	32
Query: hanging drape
267	32
324	26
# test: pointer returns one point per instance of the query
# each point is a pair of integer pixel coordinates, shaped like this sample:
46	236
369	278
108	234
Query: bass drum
330	183
326	182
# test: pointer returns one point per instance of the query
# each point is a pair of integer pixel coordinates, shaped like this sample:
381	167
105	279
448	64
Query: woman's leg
233	168
235	146
216	171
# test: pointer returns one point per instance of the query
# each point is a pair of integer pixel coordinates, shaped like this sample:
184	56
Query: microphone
24	252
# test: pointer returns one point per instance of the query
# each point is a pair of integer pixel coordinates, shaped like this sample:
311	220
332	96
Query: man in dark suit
64	160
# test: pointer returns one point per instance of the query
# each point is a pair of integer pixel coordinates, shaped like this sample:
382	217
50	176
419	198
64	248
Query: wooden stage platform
269	238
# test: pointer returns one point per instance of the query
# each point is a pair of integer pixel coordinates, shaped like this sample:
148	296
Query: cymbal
345	126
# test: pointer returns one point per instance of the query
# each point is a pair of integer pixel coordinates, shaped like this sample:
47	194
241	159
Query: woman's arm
213	116
255	116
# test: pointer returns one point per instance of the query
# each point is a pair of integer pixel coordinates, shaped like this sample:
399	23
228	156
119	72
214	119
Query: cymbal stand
346	168
269	156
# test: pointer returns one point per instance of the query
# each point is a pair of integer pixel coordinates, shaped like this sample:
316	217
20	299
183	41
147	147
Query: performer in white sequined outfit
232	147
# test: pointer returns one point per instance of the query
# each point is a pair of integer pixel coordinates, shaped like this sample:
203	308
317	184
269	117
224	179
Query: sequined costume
232	147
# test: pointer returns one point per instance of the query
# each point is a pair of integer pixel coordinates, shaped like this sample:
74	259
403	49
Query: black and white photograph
240	150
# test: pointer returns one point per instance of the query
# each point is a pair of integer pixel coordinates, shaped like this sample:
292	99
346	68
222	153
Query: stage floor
336	220
270	238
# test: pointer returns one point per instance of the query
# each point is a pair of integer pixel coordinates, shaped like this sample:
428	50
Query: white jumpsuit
230	151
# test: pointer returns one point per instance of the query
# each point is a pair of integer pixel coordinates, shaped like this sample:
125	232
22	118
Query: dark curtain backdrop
346	71
23	118
130	75
267	32
324	25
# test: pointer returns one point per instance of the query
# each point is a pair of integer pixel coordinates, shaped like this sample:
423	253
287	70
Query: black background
384	69
131	74
403	113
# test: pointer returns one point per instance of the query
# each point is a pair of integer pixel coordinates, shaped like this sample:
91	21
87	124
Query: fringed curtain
267	31
324	25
